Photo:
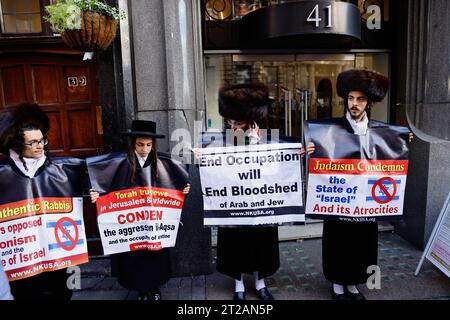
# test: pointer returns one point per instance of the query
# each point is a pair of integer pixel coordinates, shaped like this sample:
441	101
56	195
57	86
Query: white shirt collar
140	159
254	134
32	164
359	127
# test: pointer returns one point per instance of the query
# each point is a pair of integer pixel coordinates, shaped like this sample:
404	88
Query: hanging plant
85	25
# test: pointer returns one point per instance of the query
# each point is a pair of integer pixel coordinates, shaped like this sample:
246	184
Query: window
218	10
298	84
21	16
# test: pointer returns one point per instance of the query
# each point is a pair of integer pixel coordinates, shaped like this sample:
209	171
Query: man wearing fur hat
250	250
348	248
23	139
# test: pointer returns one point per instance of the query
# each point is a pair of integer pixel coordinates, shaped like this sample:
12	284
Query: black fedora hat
143	128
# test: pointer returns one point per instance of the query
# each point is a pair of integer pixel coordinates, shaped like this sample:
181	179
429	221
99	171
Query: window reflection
21	16
301	86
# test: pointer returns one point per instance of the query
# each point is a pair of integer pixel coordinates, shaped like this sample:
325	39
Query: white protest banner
252	184
141	218
356	189
41	234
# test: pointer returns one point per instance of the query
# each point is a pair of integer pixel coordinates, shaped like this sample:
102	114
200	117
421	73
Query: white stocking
239	285
352	289
338	289
259	284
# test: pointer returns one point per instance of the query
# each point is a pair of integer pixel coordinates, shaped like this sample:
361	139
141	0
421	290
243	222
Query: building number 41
373	21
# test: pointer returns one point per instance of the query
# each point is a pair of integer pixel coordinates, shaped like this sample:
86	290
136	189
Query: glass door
301	86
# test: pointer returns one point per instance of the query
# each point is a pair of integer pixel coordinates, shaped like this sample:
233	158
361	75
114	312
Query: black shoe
338	296
239	296
154	295
354	296
264	294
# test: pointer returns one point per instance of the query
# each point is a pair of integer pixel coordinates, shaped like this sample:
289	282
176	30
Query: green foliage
100	7
65	14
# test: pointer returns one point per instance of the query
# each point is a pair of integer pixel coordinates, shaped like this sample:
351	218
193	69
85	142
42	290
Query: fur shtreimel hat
244	102
14	118
372	83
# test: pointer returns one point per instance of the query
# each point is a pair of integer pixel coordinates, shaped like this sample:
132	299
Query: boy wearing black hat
143	271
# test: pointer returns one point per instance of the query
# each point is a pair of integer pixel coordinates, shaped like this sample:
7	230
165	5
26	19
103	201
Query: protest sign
356	177
437	250
137	216
44	231
252	184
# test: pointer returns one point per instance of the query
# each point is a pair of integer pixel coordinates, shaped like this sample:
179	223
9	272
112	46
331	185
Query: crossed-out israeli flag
69	227
381	195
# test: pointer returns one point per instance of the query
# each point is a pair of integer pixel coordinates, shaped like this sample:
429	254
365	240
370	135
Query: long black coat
46	286
60	178
138	270
348	248
143	271
246	250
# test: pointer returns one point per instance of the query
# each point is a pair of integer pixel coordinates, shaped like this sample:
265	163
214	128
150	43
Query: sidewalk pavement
300	277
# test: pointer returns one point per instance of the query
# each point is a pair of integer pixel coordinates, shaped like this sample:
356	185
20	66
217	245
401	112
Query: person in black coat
23	138
349	248
143	271
249	250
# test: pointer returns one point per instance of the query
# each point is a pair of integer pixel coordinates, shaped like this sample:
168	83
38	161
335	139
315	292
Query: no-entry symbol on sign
384	186
71	242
